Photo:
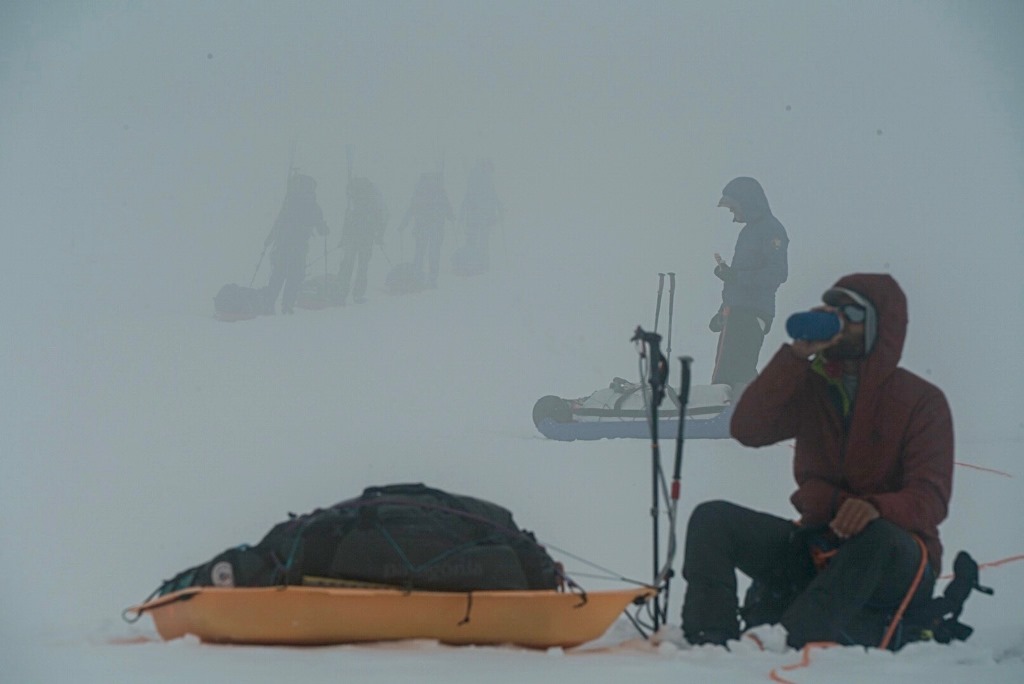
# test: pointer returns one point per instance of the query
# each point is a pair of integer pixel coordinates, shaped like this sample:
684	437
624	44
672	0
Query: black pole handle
684	398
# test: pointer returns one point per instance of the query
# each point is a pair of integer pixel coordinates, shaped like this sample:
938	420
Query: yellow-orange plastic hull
319	616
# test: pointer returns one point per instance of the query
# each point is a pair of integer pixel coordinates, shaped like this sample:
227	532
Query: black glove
717	323
725	273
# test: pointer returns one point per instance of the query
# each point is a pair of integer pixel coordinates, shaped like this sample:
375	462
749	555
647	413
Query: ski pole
684	398
673	504
671	305
258	264
657	311
657	375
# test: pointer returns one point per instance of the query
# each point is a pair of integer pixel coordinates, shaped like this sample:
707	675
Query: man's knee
884	538
712	523
711	514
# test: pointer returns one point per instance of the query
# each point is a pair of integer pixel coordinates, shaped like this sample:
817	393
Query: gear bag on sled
935	620
237	302
406	535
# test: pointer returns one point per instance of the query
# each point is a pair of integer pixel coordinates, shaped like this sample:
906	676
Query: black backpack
236	301
409	536
939	619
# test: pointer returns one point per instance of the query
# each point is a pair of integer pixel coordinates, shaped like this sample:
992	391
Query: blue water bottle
813	326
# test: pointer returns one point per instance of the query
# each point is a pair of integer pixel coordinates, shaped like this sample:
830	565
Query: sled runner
620	411
307	615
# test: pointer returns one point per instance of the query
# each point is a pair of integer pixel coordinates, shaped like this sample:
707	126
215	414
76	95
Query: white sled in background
621	410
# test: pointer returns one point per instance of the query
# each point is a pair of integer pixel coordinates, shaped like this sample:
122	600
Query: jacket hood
749	194
890	305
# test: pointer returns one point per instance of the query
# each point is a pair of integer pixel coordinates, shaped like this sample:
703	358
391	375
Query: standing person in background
759	266
428	210
481	210
299	216
365	220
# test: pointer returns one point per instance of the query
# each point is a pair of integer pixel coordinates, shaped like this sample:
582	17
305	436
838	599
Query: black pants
848	602
739	345
428	253
477	239
289	270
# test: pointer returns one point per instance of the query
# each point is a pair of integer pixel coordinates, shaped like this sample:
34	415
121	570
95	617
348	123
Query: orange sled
303	615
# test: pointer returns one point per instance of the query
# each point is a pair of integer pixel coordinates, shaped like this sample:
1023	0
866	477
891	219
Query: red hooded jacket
898	453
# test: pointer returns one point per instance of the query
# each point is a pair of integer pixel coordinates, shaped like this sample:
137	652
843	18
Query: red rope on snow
991	564
1004	561
792	445
977	467
805	661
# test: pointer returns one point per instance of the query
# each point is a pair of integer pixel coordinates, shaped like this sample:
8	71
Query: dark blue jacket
759	261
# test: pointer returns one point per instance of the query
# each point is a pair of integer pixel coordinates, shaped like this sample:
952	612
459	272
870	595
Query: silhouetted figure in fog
481	210
759	266
295	223
365	220
428	210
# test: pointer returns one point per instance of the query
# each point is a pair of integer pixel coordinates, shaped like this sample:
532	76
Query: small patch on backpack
223	575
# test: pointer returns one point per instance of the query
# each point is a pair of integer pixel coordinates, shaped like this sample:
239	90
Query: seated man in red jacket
873	464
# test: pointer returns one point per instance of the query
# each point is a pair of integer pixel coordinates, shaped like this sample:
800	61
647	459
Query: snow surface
144	150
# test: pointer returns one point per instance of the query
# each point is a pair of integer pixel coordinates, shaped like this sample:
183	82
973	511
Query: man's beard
845	350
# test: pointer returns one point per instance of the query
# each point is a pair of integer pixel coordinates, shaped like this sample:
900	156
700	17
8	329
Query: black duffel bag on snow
237	302
408	535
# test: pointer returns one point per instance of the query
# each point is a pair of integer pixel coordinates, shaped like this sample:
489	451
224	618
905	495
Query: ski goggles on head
853	312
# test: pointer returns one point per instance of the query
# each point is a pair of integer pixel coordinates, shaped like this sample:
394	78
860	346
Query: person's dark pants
739	345
848	602
356	258
428	249
477	240
289	271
